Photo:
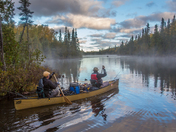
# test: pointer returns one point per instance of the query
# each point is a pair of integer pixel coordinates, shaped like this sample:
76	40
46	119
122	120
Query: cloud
118	3
80	21
126	30
134	26
95	39
55	7
150	4
125	36
132	23
96	35
141	21
132	14
172	5
82	41
131	30
107	13
99	43
109	35
57	28
50	8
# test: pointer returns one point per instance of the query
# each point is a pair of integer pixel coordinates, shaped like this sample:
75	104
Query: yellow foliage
20	80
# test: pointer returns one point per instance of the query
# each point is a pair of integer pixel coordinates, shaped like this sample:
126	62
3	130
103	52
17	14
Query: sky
100	24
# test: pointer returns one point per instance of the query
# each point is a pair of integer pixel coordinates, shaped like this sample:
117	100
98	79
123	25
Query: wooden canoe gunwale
21	103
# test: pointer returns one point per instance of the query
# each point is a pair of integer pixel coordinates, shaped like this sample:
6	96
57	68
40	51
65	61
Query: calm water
146	100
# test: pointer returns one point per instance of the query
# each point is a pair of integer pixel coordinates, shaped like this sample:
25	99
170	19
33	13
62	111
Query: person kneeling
49	87
96	77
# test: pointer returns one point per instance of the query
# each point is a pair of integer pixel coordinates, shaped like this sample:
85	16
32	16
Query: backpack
40	90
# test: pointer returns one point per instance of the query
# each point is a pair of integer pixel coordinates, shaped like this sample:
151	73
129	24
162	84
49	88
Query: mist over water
146	100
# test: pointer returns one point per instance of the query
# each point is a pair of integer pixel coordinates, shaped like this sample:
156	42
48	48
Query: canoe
32	102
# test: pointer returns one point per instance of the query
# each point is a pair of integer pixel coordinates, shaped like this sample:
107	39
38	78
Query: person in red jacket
96	77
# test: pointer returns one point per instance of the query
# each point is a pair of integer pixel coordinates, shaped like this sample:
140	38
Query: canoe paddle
66	99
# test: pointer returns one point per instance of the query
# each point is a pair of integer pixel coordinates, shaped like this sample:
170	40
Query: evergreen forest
159	43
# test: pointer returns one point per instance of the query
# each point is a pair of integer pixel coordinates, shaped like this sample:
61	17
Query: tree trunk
1	48
27	34
22	33
28	41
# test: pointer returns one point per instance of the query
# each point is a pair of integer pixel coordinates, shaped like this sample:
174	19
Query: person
96	77
49	87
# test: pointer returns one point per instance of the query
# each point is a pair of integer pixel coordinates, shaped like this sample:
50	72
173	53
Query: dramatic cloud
99	15
134	26
80	21
150	4
172	5
55	7
141	21
118	3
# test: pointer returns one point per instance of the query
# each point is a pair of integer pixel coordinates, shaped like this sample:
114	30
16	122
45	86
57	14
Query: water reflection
163	71
98	107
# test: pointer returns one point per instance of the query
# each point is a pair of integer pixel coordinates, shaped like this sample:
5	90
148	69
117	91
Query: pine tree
66	42
7	11
26	16
162	34
155	40
162	25
60	36
77	41
6	15
147	36
168	35
173	19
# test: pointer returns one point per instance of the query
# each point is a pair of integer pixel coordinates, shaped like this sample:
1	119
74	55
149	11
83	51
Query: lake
145	101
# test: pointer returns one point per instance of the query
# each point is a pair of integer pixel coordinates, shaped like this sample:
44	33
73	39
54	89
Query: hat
95	69
46	73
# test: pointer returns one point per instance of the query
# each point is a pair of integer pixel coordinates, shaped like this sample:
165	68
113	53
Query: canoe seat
93	82
104	84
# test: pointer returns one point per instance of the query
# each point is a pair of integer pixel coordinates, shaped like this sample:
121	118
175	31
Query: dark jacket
99	82
48	85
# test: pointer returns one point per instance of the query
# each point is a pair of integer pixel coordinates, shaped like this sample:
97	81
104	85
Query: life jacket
94	76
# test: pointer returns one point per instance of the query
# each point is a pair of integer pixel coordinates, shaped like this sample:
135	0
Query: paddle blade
67	100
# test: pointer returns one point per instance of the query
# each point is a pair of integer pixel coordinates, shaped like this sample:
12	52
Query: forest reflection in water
145	101
162	69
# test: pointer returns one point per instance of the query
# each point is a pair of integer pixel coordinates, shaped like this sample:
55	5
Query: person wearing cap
49	87
96	77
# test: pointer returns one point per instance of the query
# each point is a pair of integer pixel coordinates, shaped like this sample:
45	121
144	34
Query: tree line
160	42
24	46
51	43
